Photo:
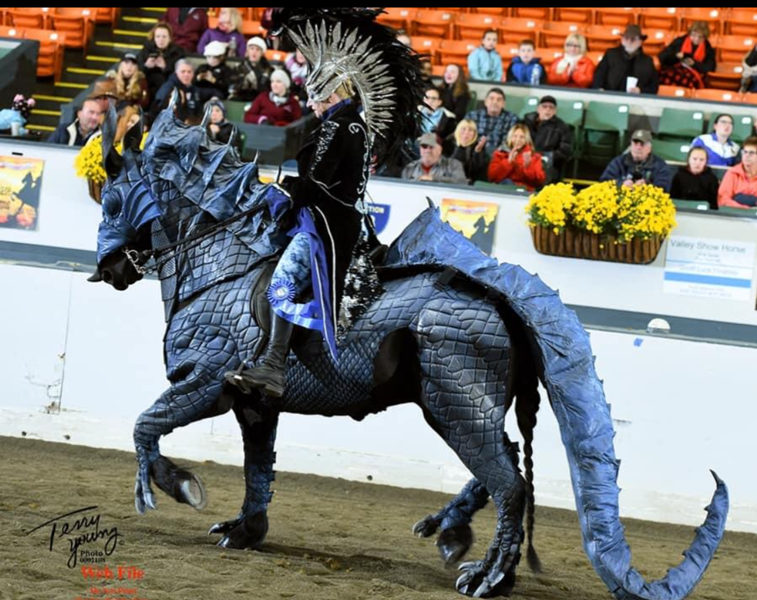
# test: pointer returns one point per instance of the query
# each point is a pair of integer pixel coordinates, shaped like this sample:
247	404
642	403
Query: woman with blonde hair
470	150
227	31
517	163
130	84
686	61
574	69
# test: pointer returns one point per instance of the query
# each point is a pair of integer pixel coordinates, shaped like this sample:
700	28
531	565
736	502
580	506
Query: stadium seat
674	91
584	16
742	22
33	18
680	125
726	76
671	150
616	16
472	26
51	49
660	18
733	48
434	23
516	29
456	51
710	95
604	132
712	16
399	18
553	34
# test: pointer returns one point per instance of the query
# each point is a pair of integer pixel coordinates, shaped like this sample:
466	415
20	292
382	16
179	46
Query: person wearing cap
516	163
686	61
189	105
638	165
550	134
157	59
739	186
626	68
215	75
187	24
493	121
77	133
130	83
277	107
722	151
432	165
228	31
251	77
574	69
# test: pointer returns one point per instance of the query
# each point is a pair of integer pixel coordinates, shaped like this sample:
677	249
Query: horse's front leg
198	356
249	528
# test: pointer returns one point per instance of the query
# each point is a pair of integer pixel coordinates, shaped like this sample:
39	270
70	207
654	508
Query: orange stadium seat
35	18
434	23
727	76
492	10
573	15
742	21
716	95
749	98
516	29
472	26
616	16
51	47
660	18
14	32
657	40
712	16
427	45
76	23
399	18
553	34
532	12
107	15
673	91
733	48
456	51
600	38
275	56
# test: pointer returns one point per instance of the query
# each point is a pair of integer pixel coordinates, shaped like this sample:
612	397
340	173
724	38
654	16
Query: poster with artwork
20	182
475	220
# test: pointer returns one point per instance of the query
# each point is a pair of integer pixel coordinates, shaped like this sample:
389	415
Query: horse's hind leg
465	356
198	355
249	528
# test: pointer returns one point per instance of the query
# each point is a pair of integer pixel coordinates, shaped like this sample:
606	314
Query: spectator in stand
749	74
78	132
130	83
470	151
574	69
436	118
158	57
638	165
526	68
551	135
278	107
251	76
215	76
228	31
695	180
626	68
517	163
739	186
298	68
722	151
493	121
485	63
427	72
687	60
191	99
455	92
219	128
188	25
432	166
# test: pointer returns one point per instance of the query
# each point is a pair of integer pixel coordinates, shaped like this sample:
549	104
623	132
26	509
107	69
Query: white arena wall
79	362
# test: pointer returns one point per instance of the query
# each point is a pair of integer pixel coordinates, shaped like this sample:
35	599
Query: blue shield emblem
380	214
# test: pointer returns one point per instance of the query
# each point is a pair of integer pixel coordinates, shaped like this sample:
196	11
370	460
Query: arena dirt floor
329	539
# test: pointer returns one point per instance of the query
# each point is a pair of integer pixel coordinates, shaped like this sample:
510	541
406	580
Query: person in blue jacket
485	63
638	165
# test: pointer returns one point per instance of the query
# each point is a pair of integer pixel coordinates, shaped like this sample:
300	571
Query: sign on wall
475	220
20	182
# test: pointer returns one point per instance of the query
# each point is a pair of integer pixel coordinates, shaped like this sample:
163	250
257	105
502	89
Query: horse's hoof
243	533
454	543
426	527
182	485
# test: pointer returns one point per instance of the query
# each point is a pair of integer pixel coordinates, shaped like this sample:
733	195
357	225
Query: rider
363	113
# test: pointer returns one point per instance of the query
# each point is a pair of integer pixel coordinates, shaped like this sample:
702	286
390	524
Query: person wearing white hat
215	74
252	75
278	107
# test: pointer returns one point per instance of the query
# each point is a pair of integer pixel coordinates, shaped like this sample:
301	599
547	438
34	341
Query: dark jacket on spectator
475	164
190	104
248	79
687	186
188	25
264	109
223	76
551	136
654	170
458	105
68	134
156	76
668	56
616	66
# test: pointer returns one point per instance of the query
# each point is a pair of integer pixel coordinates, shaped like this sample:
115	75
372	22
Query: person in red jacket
574	69
187	24
277	107
517	163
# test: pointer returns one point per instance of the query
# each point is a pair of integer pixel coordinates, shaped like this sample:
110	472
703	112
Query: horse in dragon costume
452	330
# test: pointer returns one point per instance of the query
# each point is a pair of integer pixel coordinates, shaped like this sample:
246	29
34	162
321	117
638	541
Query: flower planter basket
95	190
575	243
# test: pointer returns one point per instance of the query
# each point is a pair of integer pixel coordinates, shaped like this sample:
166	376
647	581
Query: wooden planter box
574	243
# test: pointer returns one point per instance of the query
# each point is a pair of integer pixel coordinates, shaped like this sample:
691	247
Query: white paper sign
709	268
